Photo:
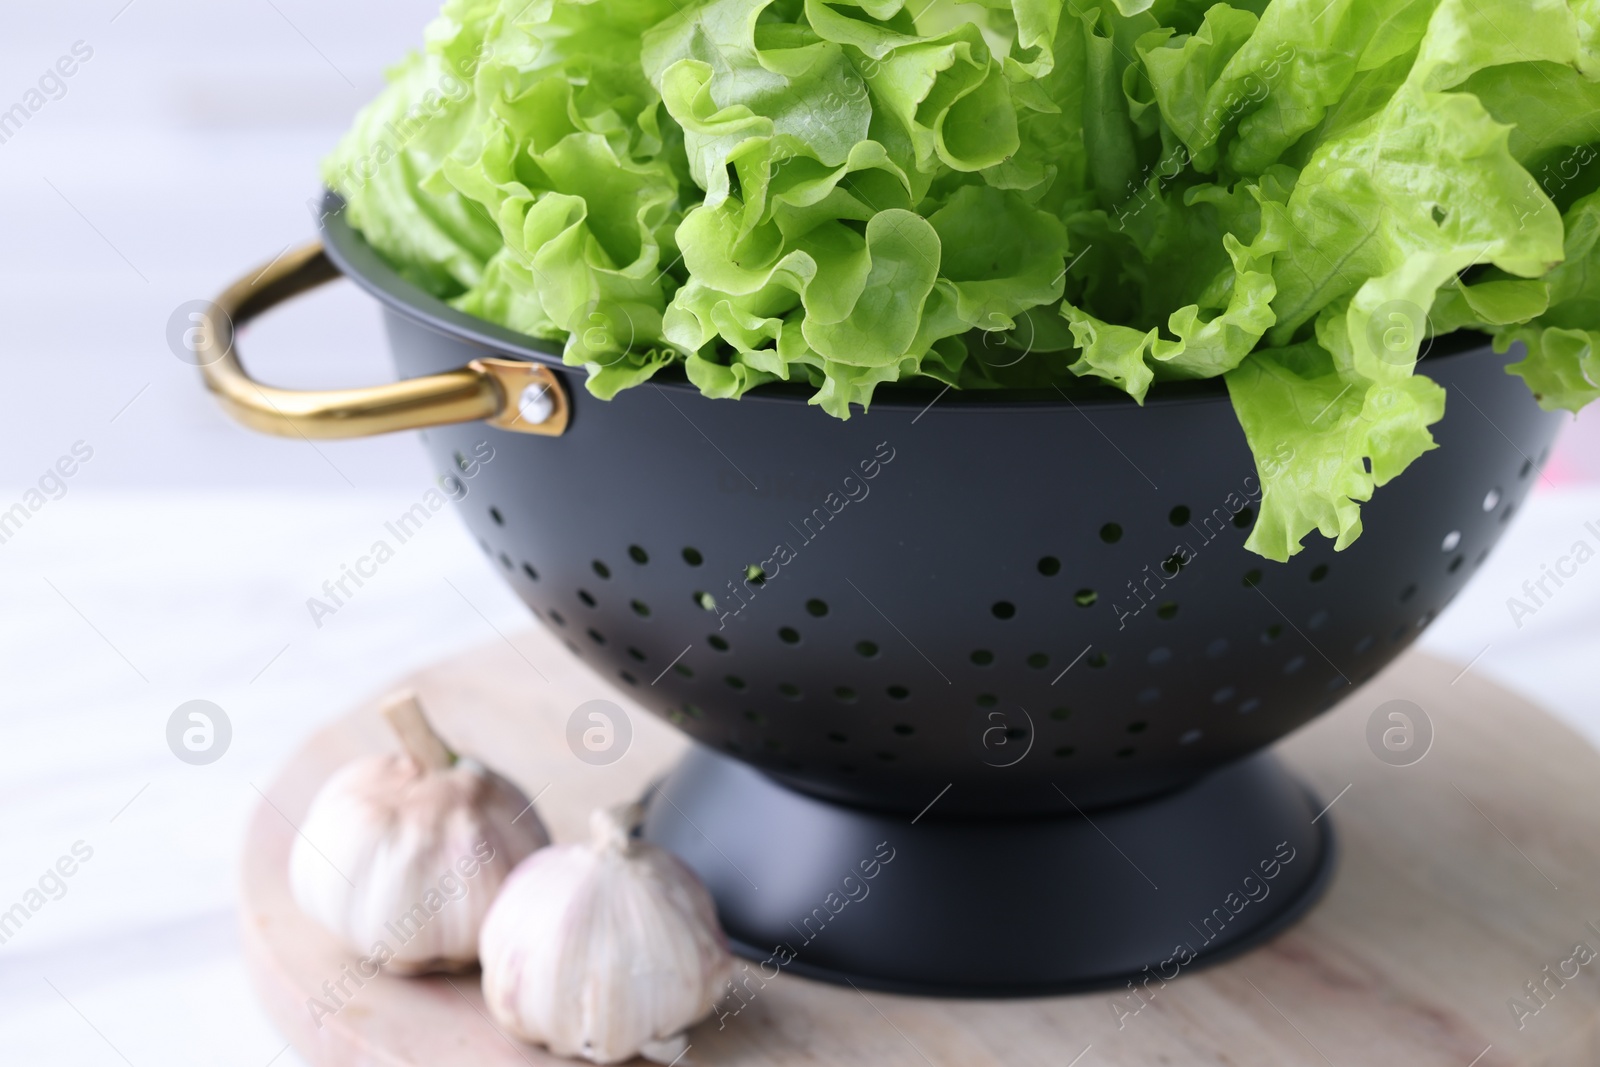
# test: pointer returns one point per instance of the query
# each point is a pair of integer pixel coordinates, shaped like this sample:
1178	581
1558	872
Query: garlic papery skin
401	855
603	950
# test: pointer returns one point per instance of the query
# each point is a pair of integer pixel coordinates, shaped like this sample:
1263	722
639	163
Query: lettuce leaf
1323	444
1562	339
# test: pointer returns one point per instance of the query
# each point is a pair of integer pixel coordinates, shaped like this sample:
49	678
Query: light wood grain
1446	902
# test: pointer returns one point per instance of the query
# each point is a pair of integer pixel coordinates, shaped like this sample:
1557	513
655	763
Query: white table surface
178	563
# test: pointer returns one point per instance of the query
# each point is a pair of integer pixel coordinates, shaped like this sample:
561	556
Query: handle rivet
536	405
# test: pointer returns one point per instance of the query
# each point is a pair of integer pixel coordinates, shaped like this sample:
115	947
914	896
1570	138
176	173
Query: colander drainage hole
734	681
756	717
533	575
601	569
638	555
636	654
1169	610
718	642
1125	753
884	757
1244	518
1319	572
1456	563
1178	516
692	557
1491	499
985	700
839	739
499	519
866	649
626	677
1137	727
640	608
898	692
596	636
1223	695
555	617
790	691
1271	634
845	693
1150	695
1294	664
505	561
1158	656
904	729
1217	648
1038	661
1049	566
816	607
1085	598
683	669
1064	751
1365	644
1451	540
1060	713
1003	609
982	657
1190	737
586	596
704	600
1097	660
1249	705
1111	533
789	635
1408	592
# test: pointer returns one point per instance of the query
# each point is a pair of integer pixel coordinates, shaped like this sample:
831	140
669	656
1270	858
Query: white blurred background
178	562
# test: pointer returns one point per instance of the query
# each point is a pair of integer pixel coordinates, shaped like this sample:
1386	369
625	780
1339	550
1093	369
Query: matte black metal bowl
1027	617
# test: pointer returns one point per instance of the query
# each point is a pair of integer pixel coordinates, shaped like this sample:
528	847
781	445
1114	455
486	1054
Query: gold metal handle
510	394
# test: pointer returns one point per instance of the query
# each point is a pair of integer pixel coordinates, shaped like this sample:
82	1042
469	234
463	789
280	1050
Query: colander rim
360	262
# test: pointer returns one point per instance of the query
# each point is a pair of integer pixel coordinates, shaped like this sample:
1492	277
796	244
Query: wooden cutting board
1462	877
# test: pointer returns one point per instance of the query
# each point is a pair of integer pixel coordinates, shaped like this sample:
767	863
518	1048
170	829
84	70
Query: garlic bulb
401	855
603	950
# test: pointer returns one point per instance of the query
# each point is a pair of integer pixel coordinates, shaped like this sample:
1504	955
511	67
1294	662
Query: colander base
1135	895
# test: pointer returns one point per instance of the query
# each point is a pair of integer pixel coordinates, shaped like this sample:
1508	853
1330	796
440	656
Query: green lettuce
847	194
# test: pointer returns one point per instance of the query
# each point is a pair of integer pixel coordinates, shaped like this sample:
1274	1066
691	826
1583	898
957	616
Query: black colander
1001	605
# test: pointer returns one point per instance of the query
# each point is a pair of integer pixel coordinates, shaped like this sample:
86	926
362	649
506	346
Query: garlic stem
417	736
612	828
